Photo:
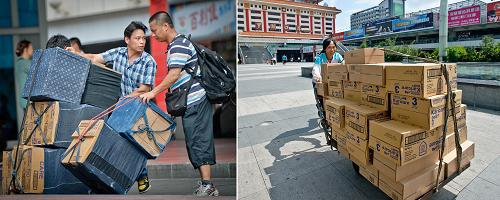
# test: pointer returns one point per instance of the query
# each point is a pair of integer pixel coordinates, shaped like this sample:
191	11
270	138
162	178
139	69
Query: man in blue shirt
138	70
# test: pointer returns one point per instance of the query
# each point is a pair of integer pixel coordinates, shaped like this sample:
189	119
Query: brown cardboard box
30	170
358	156
342	142
375	96
402	143
410	187
335	84
336	111
372	177
352	95
376	101
357	117
86	145
368	73
334	72
423	105
397	173
449	143
335	92
428	121
364	56
48	123
418	80
351	85
450	159
374	90
321	89
161	133
355	139
334	134
338	76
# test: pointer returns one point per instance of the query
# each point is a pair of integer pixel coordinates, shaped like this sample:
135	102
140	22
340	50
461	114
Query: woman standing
24	51
327	55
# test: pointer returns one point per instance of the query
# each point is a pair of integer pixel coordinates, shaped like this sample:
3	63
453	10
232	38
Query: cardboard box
368	73
427	121
134	119
376	101
423	105
411	187
339	76
336	111
321	89
450	159
418	80
351	85
335	84
334	72
355	139
397	173
352	95
375	96
30	173
364	56
56	124
342	142
449	143
357	117
358	156
370	173
330	68
101	149
402	143
336	92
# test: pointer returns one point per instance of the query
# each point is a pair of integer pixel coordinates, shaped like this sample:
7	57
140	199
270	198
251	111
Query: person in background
24	53
76	44
58	40
284	58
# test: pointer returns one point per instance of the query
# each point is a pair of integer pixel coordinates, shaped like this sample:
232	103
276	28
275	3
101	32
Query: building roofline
291	3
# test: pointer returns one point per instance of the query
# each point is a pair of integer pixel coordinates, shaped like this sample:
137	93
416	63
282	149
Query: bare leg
205	172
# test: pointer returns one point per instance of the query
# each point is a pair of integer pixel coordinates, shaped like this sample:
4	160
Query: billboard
464	16
205	20
493	12
356	33
413	22
378	28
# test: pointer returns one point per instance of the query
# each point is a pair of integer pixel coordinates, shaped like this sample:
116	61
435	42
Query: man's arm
95	58
143	88
172	76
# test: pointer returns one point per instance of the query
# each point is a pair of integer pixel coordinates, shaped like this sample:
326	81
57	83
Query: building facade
386	9
285	19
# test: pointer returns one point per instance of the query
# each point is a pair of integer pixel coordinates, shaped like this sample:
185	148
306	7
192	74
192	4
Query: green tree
363	45
456	53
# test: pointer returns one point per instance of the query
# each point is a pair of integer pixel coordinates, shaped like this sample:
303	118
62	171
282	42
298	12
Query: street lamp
443	29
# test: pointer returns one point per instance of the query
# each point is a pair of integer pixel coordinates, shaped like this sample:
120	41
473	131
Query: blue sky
351	6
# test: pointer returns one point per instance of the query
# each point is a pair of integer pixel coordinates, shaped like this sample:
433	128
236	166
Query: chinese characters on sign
464	16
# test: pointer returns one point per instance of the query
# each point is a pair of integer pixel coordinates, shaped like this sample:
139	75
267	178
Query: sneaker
206	190
143	185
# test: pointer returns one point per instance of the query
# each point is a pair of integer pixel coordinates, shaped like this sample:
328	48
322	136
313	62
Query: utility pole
443	29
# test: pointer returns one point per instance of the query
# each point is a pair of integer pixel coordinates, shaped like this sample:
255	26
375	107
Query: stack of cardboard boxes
390	122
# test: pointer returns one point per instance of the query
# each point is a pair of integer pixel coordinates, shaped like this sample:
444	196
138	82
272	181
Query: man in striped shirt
197	120
138	70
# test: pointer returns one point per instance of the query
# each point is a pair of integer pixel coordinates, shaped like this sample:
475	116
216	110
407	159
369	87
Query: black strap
32	84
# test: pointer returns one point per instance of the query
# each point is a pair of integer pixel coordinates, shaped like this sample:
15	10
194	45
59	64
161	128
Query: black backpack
215	77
